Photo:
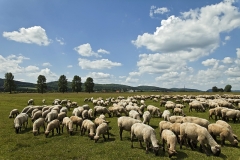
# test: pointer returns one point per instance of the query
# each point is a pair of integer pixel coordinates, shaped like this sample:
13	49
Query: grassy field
64	147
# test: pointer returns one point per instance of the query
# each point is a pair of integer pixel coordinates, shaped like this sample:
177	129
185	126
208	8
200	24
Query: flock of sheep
134	116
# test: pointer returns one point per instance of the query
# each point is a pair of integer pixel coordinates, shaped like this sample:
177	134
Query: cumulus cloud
47	64
50	76
227	38
103	51
227	60
85	50
60	41
97	64
210	62
233	72
154	10
99	75
238	52
131	80
34	34
31	69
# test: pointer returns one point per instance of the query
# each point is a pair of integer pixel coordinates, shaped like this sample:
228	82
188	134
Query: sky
169	44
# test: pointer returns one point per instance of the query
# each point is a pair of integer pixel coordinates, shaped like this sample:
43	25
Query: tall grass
64	147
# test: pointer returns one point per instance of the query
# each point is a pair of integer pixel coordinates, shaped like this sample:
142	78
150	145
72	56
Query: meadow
25	145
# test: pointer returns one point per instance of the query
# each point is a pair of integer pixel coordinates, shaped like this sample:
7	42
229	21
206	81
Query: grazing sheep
36	115
13	113
61	115
64	109
44	113
176	119
224	133
145	133
146	117
230	113
76	112
37	124
89	126
77	121
134	114
19	121
166	114
178	111
170	138
194	132
69	125
101	110
197	106
85	114
34	110
51	116
211	113
30	102
54	124
175	128
101	129
25	109
170	105
200	121
99	120
125	123
164	125
225	124
43	101
90	114
154	110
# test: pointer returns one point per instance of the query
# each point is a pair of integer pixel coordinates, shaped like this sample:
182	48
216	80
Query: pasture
25	145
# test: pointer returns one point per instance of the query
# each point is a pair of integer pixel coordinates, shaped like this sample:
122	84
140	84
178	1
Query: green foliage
215	89
89	85
76	84
41	84
228	88
9	84
62	84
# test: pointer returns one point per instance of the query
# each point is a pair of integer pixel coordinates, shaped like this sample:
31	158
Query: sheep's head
171	153
235	143
96	138
17	129
91	135
46	133
216	150
34	132
155	150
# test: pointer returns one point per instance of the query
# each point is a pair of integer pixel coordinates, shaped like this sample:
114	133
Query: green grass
64	147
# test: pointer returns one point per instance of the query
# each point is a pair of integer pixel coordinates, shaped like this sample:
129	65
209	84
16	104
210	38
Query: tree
228	88
89	85
41	84
9	84
214	89
76	84
62	84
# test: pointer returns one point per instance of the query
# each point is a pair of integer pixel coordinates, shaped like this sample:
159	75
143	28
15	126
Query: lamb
154	110
101	110
89	126
145	133
101	129
36	115
13	113
30	101
125	123
170	138
69	125
166	114
19	121
146	117
194	132
54	124
179	111
200	121
134	114
77	121
37	124
223	132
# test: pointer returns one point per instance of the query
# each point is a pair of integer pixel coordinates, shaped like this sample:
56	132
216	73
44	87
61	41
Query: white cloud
103	51
122	77
227	60
134	74
31	69
227	38
50	76
85	50
69	66
233	72
131	80
210	62
47	64
99	75
34	34
238	52
154	10
97	64
60	41
167	76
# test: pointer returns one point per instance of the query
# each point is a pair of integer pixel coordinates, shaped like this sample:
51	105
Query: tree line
226	89
9	84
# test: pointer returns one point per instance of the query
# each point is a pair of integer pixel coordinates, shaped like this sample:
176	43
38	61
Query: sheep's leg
190	143
147	146
120	132
132	135
203	147
163	145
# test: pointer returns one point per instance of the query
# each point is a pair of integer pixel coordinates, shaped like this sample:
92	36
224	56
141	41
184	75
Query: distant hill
53	86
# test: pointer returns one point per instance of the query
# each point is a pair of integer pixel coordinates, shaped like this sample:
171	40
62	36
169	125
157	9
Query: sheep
166	114
13	113
101	110
30	101
54	124
117	110
36	115
61	115
51	116
34	110
211	113
99	121
44	113
37	124
225	124
25	109
176	119
19	121
194	132
179	111
90	113
223	132
76	112
125	123
169	105
43	101
197	106
229	113
64	109
154	110
145	133
85	114
146	117
69	125
170	138
101	129
180	106
89	126
77	121
164	125
175	128
134	114
200	121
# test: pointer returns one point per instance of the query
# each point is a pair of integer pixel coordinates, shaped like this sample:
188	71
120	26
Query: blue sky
146	42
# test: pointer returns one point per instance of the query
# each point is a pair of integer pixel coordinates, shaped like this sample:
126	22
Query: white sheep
30	102
224	133
84	114
89	126
194	132
90	113
200	121
164	125
146	117
101	110
54	124
145	133
44	113
77	121
99	120
175	128
154	110
125	123
166	114
68	123
101	129
51	116
197	106
61	115
36	115
225	124
178	111
176	119
19	121
134	114
170	138
37	124
43	101
13	113
64	109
